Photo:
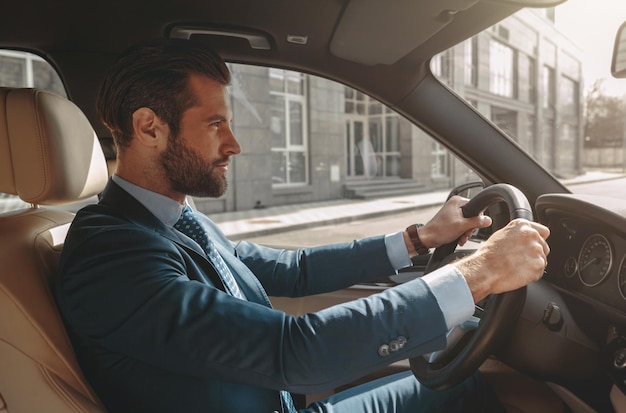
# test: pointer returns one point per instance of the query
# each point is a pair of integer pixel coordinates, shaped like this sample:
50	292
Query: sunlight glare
592	25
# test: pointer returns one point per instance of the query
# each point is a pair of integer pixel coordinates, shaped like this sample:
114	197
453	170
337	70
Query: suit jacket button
402	341
394	345
383	350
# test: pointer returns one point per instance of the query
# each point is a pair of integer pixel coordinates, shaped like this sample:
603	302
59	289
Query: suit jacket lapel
123	203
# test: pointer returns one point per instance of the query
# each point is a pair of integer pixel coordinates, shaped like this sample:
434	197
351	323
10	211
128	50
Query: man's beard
189	174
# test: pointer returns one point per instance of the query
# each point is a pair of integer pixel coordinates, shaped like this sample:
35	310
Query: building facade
526	77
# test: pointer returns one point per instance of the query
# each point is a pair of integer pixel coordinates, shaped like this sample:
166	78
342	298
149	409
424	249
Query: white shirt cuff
396	251
452	293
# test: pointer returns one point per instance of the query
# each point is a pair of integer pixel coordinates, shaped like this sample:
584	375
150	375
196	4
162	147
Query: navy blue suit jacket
154	331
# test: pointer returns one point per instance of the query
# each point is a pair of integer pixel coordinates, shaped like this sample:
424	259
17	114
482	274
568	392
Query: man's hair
155	75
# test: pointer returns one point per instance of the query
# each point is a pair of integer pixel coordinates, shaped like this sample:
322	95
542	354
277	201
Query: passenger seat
49	155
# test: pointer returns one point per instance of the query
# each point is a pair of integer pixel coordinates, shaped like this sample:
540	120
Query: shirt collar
164	208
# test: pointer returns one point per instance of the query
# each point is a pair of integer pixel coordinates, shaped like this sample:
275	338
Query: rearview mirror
618	65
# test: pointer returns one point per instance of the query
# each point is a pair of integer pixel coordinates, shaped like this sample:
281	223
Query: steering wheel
470	344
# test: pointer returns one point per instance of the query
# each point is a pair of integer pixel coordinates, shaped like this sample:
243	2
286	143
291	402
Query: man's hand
448	225
511	258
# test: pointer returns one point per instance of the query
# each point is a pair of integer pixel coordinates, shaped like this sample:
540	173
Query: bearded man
168	315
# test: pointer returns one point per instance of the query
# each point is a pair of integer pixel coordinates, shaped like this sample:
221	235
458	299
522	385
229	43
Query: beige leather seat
49	155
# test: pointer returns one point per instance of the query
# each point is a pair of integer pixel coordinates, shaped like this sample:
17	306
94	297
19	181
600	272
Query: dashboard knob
552	317
619	358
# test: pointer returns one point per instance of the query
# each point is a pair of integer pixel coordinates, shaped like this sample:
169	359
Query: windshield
543	77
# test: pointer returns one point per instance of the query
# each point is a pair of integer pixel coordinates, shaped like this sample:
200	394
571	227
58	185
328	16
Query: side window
288	116
308	141
23	69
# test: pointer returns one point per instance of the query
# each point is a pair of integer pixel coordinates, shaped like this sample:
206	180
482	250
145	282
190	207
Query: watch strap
420	248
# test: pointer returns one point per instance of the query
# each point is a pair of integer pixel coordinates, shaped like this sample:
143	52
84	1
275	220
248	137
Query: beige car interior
49	155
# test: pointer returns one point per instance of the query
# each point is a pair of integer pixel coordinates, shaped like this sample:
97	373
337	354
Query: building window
23	69
531	134
372	137
545	149
471	62
532	80
439	167
568	96
384	135
502	69
565	154
355	102
288	127
506	120
548	87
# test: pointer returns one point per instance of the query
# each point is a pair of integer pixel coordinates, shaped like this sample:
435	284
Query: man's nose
230	143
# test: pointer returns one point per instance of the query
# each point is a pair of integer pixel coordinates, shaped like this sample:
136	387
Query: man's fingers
484	221
543	230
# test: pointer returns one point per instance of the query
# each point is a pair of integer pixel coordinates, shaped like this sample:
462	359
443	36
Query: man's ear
149	129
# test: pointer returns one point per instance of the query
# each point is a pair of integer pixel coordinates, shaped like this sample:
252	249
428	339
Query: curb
591	181
240	235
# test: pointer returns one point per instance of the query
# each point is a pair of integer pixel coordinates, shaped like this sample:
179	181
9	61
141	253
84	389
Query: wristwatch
415	239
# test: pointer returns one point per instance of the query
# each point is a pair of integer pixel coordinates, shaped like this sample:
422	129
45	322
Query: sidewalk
257	222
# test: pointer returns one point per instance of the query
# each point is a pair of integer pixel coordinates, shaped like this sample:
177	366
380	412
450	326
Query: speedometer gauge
595	260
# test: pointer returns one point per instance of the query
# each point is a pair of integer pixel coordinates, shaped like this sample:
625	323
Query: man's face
196	161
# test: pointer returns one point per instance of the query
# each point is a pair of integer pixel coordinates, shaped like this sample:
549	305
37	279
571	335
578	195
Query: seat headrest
49	152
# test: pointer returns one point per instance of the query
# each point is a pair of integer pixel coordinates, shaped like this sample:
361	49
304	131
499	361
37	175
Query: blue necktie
190	226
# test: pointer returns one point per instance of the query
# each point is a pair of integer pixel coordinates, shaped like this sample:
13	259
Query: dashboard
587	249
587	266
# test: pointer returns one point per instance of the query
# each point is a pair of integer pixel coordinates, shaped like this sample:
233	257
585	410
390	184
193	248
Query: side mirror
618	64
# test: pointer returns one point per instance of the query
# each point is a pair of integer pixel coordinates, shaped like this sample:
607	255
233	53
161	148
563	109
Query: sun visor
379	32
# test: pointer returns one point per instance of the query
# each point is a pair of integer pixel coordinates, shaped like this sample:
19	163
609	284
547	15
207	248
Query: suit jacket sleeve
131	292
316	270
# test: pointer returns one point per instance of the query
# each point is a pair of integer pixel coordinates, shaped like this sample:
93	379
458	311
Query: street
346	232
615	188
382	225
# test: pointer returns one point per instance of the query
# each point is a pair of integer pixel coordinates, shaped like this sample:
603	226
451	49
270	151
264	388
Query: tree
605	117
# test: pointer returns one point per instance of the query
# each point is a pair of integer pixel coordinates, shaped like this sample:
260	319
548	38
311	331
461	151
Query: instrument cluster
588	259
594	263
